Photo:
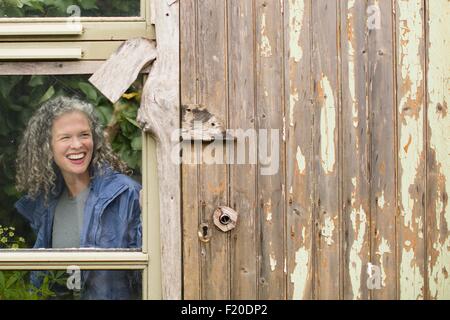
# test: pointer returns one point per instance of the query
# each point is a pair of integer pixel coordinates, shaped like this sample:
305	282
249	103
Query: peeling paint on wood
411	153
293	99
269	63
359	221
301	162
411	279
359	225
266	49
296	10
300	273
273	262
410	106
379	136
381	202
351	62
382	72
383	249
327	125
299	148
327	230
439	149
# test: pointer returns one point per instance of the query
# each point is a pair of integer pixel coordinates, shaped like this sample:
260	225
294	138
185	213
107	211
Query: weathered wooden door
358	206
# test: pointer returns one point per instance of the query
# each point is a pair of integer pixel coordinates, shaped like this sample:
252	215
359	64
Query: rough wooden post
159	115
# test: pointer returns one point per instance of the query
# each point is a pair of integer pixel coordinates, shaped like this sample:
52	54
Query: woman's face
72	143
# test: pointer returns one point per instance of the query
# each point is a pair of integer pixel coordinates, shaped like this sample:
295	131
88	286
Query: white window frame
148	260
94	52
93	38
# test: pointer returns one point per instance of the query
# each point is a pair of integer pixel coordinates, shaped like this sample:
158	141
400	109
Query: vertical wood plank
212	73
326	164
191	246
269	95
242	176
299	173
381	95
438	149
355	132
411	147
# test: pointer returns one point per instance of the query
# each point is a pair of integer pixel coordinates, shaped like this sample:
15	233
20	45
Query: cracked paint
381	201
439	271
301	161
411	280
410	106
439	124
268	210
266	49
383	249
273	262
359	222
296	13
300	273
351	63
327	230
293	99
419	223
327	126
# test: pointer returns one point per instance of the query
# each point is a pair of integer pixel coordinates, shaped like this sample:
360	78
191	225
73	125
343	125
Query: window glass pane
68	8
71	284
110	213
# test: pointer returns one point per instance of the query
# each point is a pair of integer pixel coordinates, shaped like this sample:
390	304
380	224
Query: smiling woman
77	192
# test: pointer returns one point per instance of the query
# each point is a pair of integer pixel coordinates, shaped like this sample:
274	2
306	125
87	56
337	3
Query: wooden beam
117	74
159	115
52	68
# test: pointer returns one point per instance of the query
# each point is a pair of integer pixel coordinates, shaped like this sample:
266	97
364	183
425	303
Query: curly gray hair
36	170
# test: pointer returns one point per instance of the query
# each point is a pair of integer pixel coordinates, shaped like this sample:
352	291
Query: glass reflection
71	284
69	8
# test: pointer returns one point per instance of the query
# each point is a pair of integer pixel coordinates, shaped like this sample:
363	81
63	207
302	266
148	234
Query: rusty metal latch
225	218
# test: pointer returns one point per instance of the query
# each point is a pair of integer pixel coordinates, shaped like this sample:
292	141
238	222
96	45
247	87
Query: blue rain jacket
112	219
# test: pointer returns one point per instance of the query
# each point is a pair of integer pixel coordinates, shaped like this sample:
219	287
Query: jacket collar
97	179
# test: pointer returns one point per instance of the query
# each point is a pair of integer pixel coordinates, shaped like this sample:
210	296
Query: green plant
58	8
9	239
16	285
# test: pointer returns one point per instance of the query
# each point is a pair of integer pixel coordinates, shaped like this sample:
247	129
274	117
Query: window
74	29
41	56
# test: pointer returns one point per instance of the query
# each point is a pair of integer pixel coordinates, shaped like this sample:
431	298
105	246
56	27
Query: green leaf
47	95
133	122
15	107
7	83
12	279
107	112
136	143
2	280
36	81
88	4
10	190
88	90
